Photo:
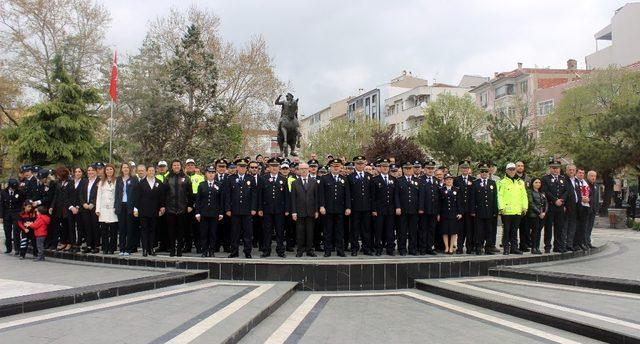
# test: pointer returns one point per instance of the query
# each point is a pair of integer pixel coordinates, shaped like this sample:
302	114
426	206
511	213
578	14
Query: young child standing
39	227
26	218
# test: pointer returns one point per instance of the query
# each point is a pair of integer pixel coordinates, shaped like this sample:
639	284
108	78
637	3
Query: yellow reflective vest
512	196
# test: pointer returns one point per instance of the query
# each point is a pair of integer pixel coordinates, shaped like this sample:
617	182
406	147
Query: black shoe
354	253
298	254
390	253
247	255
233	255
402	252
172	253
85	250
290	249
506	252
459	251
265	254
590	246
413	253
369	253
516	251
204	255
95	250
535	251
431	252
478	252
282	255
470	251
341	254
144	253
327	254
488	253
547	251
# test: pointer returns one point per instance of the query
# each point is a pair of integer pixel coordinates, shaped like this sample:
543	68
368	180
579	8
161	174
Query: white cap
190	161
132	164
284	164
511	165
162	163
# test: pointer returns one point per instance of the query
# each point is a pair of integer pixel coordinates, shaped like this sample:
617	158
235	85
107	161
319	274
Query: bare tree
32	32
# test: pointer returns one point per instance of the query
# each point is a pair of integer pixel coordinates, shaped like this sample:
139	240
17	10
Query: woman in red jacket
39	227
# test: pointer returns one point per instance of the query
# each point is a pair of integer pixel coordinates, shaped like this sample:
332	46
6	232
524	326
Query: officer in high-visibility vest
191	235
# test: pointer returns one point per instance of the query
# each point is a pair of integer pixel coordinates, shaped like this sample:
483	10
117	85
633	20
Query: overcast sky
329	49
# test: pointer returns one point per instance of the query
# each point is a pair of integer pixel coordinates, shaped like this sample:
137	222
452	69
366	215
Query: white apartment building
620	38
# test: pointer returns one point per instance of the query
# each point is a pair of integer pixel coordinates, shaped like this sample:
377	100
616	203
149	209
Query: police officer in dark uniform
274	206
224	227
383	207
335	204
429	209
483	205
317	230
464	183
407	206
554	186
11	199
241	204
450	213
45	190
255	171
209	209
360	188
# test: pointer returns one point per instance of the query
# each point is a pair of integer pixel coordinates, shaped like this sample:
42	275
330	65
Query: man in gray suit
594	205
304	209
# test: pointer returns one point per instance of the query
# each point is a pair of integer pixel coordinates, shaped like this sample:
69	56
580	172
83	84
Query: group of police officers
414	208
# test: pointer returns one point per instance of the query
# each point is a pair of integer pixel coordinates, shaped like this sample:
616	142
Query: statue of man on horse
288	126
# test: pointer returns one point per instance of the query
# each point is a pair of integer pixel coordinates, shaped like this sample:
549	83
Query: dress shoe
590	246
535	251
413	253
488	253
459	251
431	252
354	253
265	254
290	249
311	254
516	251
327	254
390	253
341	254
378	253
478	252
144	253
547	251
204	255
95	250
282	255
152	252
298	254
233	255
172	254
247	255
506	252
403	253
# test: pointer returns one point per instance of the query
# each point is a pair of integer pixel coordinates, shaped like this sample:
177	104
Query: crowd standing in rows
414	208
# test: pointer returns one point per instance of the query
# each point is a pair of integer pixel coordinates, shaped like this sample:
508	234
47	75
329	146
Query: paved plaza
217	311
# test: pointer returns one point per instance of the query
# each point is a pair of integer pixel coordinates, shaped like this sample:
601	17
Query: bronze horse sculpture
288	126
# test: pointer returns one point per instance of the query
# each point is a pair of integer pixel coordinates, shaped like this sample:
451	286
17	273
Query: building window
545	107
367	106
504	90
524	87
484	99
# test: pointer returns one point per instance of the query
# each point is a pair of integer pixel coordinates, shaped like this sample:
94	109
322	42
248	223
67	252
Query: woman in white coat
105	210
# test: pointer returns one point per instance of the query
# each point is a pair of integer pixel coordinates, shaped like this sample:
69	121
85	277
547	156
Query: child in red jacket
26	217
39	227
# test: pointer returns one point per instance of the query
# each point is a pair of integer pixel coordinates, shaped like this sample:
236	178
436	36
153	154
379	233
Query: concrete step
608	316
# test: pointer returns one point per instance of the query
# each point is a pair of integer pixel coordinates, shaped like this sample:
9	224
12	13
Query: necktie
386	181
210	184
304	181
361	176
10	192
336	179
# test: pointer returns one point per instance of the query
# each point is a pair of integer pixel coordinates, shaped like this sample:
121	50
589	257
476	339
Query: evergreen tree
61	130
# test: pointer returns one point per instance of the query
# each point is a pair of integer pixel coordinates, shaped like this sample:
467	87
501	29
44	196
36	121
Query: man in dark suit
360	186
464	183
273	207
383	207
64	206
483	204
407	207
149	205
429	208
572	208
335	204
209	209
240	205
554	186
594	205
304	209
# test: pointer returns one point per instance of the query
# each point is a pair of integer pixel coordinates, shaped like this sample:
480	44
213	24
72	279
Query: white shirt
151	182
89	186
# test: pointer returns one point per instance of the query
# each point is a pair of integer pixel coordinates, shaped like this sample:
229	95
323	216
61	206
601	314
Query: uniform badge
368	178
491	187
271	180
17	196
181	180
216	186
128	182
342	181
390	181
46	188
469	183
415	183
248	183
561	181
156	185
455	193
318	181
237	180
281	182
22	185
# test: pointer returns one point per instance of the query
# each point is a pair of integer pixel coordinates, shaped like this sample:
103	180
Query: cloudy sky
329	49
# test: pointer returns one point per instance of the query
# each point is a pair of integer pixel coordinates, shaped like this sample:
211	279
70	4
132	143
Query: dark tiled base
566	324
323	275
35	302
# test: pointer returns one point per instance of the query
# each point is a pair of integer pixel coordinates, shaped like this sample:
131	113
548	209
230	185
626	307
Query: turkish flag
113	88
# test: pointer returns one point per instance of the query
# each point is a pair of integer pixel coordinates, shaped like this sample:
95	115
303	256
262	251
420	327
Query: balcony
600	59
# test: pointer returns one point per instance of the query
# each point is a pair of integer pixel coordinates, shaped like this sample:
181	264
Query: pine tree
61	130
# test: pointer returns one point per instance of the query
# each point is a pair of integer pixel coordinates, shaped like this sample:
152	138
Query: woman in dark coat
450	214
65	206
536	213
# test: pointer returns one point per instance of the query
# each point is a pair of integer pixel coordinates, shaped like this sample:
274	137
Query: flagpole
111	133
